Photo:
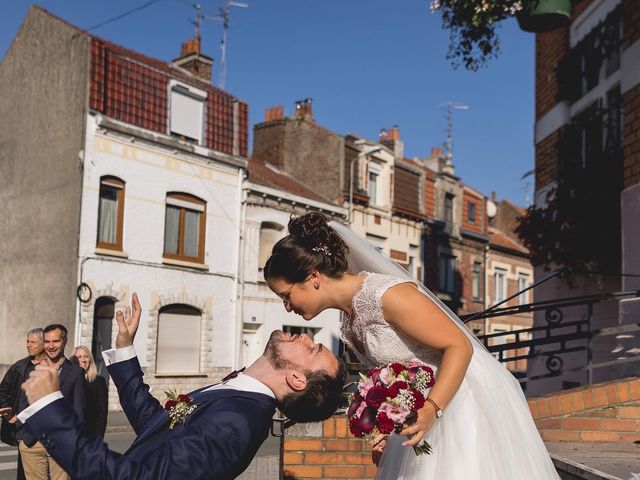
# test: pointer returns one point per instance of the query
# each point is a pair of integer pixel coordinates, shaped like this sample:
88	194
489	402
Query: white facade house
140	200
268	205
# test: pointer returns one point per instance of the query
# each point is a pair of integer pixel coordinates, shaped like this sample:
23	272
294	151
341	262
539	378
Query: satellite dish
492	209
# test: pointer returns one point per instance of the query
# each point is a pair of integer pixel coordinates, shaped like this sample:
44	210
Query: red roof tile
496	237
269	176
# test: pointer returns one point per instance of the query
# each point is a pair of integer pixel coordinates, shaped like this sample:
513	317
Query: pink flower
363	387
386	376
395	413
361	408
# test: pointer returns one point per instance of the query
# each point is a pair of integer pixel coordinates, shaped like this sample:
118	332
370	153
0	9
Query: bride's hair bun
311	245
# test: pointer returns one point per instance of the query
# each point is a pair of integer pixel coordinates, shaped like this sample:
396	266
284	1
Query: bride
476	417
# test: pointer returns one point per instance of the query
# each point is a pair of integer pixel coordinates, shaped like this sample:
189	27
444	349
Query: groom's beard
272	353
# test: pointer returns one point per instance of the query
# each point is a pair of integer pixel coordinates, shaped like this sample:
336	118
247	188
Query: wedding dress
486	431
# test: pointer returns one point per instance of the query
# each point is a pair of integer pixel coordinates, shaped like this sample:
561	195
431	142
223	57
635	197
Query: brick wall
631	101
326	450
547	157
550	48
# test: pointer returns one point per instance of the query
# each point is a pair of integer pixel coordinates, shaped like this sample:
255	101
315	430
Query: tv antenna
223	16
451	106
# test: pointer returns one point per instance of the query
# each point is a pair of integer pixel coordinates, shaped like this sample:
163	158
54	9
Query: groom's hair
319	400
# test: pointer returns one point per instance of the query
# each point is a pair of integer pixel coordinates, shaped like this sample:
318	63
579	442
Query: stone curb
579	470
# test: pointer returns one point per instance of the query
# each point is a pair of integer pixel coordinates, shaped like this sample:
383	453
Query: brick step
618	423
588	398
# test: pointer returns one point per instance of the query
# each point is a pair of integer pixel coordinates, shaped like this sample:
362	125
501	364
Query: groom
217	440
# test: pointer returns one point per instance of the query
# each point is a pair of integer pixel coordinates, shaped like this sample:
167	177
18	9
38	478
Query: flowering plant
179	407
472	27
389	397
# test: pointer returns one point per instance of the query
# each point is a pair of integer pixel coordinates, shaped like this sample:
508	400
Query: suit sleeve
137	403
210	448
79	393
101	405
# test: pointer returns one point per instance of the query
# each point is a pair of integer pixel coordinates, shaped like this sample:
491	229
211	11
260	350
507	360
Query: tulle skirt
485	433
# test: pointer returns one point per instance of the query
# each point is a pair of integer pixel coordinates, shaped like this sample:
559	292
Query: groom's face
299	352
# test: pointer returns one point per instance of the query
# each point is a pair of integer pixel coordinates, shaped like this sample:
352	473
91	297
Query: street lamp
361	154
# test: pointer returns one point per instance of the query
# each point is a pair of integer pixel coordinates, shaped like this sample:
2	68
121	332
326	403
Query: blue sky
367	65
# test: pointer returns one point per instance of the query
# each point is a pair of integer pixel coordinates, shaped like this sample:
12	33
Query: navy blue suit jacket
217	441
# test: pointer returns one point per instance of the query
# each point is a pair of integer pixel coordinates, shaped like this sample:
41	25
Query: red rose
395	388
385	425
418	399
376	395
184	398
170	404
397	368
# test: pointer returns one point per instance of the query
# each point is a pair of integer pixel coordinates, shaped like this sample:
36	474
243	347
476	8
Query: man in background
10	390
37	463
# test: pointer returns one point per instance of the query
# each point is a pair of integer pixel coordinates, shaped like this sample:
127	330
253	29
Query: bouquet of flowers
389	397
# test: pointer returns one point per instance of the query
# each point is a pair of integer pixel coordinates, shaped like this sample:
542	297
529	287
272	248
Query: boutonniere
179	407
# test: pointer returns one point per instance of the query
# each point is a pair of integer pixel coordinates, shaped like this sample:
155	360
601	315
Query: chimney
303	109
391	139
193	61
273	113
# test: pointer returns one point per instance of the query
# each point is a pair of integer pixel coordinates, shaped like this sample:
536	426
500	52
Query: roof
496	237
269	175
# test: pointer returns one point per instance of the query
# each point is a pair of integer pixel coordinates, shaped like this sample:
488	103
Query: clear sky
367	65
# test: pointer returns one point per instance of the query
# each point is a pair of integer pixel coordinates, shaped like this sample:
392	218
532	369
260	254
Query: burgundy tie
233	374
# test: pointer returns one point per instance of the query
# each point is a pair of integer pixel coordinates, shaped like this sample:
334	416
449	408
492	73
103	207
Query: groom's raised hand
128	323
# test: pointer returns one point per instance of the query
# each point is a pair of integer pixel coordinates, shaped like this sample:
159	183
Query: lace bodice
371	337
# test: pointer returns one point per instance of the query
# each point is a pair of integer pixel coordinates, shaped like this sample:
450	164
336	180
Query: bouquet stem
423	447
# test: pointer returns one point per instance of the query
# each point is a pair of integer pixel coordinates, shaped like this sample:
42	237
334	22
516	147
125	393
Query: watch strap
435	405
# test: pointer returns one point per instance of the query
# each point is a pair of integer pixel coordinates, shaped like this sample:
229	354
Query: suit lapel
64	373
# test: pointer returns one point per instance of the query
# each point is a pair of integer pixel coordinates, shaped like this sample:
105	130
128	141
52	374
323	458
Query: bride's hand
378	447
416	431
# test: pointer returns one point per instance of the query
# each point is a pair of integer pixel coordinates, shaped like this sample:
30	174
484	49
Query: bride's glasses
286	296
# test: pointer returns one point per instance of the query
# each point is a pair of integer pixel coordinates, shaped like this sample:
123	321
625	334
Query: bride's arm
418	318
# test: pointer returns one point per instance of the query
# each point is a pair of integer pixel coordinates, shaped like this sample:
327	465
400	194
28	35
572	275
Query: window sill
186	375
111	253
183	263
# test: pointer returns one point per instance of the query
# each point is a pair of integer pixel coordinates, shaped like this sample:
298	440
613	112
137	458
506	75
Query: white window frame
186	111
523	282
500	285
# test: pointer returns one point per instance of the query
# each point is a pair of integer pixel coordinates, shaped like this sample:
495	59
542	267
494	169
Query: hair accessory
321	247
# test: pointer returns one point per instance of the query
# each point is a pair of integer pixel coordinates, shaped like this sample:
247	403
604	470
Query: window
523	282
373	187
270	233
447	270
178	348
186	117
500	276
110	213
448	210
471	212
184	227
475	280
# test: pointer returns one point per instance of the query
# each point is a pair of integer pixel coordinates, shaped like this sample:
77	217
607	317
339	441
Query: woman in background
96	390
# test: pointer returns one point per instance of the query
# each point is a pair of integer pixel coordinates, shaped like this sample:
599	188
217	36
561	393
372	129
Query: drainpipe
486	284
239	294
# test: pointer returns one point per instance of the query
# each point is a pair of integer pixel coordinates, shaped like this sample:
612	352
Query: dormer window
186	111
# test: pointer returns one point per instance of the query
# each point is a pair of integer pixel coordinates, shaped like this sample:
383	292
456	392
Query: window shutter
178	343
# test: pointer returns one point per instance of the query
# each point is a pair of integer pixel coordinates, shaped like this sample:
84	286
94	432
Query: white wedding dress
486	432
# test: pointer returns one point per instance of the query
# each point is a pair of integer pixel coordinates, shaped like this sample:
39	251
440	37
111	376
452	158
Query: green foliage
472	26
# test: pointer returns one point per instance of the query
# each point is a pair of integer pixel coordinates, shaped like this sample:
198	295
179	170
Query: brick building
587	107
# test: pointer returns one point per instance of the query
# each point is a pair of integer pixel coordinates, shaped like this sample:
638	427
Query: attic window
186	111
